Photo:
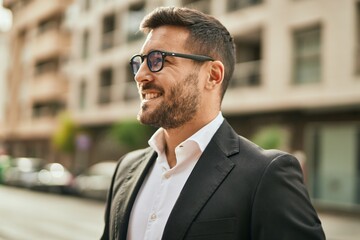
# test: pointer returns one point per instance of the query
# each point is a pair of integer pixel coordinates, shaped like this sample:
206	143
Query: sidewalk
339	226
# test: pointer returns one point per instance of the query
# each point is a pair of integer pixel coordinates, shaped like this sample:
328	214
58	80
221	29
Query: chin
144	118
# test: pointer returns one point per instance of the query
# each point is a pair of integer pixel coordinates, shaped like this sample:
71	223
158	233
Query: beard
177	107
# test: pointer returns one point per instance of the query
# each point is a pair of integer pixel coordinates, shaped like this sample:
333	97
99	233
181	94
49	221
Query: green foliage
269	138
64	136
4	165
131	134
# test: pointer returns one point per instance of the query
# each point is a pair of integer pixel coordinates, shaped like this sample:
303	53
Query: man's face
169	98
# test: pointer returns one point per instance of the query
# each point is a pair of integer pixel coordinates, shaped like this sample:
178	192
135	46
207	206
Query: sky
5	18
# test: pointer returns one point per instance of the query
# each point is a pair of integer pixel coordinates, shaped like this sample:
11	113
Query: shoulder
128	163
260	163
246	153
131	158
252	150
134	155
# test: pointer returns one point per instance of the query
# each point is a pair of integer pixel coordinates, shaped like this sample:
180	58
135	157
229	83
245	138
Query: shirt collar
201	137
204	135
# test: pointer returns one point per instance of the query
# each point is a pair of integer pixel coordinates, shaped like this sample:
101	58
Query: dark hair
207	35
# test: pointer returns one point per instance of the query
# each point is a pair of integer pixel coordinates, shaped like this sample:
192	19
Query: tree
131	133
64	136
271	137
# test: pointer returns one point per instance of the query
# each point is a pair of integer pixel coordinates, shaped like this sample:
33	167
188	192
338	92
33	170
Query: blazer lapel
209	172
131	186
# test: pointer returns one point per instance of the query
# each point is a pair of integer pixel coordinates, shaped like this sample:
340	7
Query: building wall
37	88
3	61
270	24
339	86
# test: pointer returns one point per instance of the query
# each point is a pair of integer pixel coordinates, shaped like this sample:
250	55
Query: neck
173	137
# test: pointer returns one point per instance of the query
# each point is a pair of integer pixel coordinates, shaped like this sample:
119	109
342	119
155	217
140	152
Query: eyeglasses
155	60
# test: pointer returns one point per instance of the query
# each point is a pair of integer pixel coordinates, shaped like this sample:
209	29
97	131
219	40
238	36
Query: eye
157	61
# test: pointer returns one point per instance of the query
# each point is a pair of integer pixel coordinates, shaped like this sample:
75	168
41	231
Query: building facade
3	60
36	87
297	71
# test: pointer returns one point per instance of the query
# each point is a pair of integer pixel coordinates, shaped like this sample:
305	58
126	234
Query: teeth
149	96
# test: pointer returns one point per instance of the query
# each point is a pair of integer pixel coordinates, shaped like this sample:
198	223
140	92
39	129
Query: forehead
166	38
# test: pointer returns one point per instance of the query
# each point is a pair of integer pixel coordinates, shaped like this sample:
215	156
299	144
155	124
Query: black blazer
236	191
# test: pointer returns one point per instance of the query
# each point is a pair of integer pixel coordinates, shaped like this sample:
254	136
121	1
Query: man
199	179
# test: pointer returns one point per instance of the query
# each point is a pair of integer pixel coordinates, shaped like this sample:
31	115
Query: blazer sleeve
281	204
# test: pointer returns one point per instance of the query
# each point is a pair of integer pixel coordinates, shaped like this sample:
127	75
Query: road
29	215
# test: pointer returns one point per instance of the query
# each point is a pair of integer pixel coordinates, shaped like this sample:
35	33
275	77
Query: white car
95	182
23	172
54	177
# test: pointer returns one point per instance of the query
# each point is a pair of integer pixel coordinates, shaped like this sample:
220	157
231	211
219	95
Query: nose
143	74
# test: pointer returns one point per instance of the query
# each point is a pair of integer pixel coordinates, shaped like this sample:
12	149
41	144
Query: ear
216	74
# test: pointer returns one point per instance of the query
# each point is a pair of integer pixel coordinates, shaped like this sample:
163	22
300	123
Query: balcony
34	11
50	43
246	74
49	86
46	110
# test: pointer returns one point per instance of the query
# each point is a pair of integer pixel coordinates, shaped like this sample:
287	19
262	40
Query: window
136	14
49	24
333	181
106	81
46	109
233	5
307	56
108	33
46	66
131	91
82	95
248	56
85	45
201	5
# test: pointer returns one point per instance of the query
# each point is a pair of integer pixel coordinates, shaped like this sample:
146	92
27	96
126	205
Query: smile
150	96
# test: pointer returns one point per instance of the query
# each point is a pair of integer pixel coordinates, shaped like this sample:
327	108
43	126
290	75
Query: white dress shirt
162	186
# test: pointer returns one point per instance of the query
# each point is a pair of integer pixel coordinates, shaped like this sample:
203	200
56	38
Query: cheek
204	82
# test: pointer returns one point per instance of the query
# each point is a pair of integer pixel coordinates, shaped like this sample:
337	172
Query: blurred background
68	101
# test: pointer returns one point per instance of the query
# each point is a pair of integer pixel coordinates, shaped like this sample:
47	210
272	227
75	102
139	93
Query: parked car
54	177
95	182
23	172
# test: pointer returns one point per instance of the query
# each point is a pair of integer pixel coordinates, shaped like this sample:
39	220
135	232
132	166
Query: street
31	215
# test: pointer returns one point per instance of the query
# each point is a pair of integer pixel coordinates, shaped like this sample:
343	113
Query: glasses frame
195	57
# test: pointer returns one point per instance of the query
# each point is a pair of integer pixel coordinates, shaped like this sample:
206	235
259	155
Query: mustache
150	86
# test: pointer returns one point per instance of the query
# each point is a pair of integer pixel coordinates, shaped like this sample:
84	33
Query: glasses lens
135	63
155	61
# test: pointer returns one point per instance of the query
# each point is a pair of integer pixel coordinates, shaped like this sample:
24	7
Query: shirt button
153	217
167	175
